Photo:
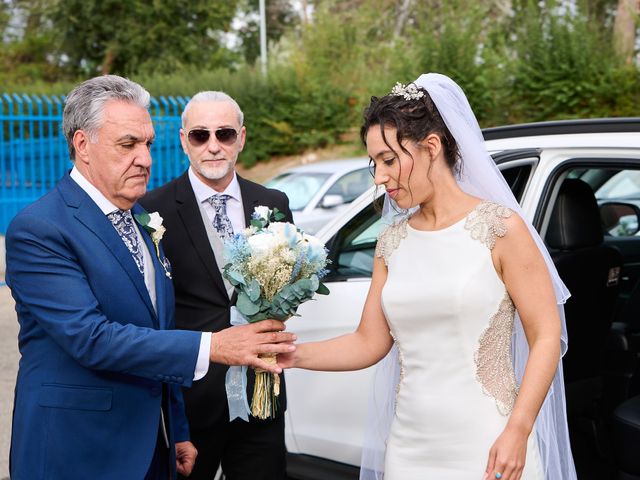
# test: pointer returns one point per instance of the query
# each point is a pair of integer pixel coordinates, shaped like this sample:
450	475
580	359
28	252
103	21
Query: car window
300	187
623	184
517	178
351	185
617	192
353	247
617	195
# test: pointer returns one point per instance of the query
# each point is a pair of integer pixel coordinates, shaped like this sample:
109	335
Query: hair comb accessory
409	92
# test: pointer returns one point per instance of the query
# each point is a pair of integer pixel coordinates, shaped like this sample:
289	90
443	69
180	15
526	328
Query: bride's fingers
517	475
504	471
261	364
500	471
489	473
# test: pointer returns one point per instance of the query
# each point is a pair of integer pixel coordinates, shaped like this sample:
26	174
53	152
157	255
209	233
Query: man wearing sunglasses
208	203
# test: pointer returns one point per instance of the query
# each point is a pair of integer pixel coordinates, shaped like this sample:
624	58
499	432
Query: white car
319	191
326	411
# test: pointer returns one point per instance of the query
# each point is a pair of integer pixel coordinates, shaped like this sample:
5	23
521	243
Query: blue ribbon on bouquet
236	380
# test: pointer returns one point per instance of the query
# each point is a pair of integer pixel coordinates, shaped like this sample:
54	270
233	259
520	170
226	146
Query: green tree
462	39
5	16
567	66
151	36
27	46
280	18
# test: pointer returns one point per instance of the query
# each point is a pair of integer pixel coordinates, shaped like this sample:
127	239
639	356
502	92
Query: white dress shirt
105	205
235	210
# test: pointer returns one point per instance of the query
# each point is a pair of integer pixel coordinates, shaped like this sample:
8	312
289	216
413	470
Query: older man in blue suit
98	391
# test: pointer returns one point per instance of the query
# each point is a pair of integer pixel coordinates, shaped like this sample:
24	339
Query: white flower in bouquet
250	230
316	251
285	232
262	245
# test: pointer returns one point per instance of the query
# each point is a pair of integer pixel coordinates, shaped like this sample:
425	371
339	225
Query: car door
326	410
613	176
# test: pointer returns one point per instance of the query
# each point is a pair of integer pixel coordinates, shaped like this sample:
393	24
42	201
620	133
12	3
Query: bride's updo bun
413	114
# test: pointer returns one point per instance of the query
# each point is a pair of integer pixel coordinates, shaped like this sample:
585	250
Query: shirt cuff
202	365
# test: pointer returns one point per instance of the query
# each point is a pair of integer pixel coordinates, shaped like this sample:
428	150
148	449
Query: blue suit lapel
88	213
160	274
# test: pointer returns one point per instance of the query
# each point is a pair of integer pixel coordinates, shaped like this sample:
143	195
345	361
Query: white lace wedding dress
452	319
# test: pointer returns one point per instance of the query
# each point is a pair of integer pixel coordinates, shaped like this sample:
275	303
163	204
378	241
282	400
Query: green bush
460	39
567	68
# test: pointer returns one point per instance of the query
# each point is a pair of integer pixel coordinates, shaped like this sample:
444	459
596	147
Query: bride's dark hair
414	119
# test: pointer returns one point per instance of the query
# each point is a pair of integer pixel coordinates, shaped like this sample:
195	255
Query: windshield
299	187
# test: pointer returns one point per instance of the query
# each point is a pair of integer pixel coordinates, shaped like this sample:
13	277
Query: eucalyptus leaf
245	305
253	290
235	276
286	292
303	285
322	289
258	317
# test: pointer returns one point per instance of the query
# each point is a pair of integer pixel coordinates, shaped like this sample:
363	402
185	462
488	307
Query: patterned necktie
123	223
221	221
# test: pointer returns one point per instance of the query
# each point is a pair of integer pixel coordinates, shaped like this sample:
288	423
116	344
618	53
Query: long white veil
479	177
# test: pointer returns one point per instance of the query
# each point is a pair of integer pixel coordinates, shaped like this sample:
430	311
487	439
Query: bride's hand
286	360
507	455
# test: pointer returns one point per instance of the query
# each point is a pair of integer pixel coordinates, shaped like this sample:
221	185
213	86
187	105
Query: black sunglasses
199	136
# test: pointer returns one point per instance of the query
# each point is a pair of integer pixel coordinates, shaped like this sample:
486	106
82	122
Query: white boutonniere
152	223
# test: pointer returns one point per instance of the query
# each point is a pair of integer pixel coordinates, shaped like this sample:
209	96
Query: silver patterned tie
221	221
123	223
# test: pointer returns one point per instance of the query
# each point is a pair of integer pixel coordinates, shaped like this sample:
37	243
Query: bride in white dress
464	292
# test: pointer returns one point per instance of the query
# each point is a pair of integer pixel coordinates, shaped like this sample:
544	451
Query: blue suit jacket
95	353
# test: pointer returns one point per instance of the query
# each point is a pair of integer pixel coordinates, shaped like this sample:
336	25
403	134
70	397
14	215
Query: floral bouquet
274	267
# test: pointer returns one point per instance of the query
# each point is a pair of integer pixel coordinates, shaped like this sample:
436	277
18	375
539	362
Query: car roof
578	140
331	166
597	132
563	127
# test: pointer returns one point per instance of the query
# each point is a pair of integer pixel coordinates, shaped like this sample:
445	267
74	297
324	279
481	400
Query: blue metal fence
34	154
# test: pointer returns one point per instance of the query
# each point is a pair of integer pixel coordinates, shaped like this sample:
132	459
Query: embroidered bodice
491	355
485	222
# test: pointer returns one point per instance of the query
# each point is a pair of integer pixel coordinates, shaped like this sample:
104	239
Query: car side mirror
330	201
620	219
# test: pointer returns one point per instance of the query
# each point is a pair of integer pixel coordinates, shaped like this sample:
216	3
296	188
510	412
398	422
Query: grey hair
212	96
84	106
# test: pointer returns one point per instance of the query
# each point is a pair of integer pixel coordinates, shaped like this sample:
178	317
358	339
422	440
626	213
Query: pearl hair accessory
409	92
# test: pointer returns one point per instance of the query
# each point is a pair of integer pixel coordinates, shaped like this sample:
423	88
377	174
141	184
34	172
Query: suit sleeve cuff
202	364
